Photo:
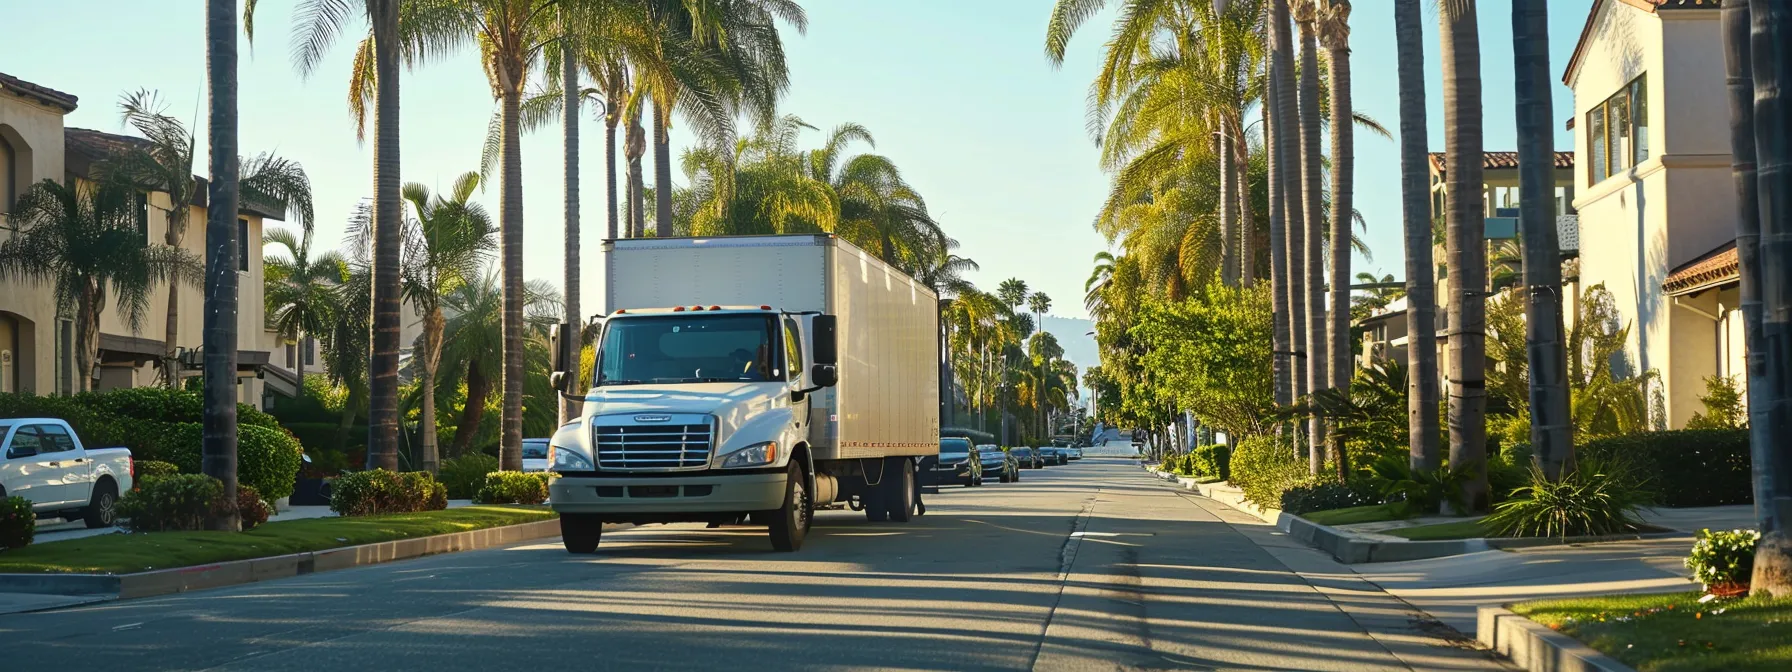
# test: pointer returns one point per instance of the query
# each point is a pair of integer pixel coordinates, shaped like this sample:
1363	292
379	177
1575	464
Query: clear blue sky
958	93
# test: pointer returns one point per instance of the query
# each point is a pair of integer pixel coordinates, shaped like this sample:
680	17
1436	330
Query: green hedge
513	487
178	502
465	475
18	524
266	459
1688	467
1213	461
377	491
1264	467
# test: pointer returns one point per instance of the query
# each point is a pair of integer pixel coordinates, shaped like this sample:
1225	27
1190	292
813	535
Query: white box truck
749	378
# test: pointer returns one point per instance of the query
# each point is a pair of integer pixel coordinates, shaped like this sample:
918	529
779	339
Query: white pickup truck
42	460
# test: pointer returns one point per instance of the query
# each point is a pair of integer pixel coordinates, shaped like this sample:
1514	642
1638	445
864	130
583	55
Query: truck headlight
756	455
562	459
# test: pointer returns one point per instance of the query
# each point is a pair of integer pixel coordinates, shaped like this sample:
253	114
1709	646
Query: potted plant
1723	561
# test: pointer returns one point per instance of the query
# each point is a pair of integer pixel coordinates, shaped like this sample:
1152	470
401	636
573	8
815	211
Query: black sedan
998	463
956	464
1029	458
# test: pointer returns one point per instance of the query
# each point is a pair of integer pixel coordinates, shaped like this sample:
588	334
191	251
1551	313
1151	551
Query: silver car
535	454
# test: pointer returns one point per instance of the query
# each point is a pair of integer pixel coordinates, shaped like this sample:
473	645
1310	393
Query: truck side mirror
557	380
566	336
824	375
826	348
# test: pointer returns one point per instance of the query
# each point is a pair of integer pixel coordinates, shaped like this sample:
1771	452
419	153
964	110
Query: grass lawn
1673	632
125	553
1469	528
1374	513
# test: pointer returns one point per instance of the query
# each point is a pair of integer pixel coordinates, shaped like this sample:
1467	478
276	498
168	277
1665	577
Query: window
142	204
8	178
1618	131
793	348
55	439
291	359
26	441
309	345
65	356
242	245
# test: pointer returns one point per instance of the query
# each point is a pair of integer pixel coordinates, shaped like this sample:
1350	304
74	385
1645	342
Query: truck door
76	469
30	473
793	364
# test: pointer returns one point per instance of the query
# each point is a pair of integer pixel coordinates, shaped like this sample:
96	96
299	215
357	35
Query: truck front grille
653	447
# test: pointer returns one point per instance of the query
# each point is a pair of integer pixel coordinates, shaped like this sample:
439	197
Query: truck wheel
788	522
580	532
899	493
103	510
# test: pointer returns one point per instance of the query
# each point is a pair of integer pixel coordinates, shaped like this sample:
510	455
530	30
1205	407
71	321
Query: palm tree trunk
1287	135
1464	238
433	327
1741	81
1343	209
1769	386
1313	237
637	146
218	444
1415	205
171	330
299	362
1283	361
662	173
1228	209
1247	220
569	118
382	372
87	337
612	116
510	227
473	411
1552	438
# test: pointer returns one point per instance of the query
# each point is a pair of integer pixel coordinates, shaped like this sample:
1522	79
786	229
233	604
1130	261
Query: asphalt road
1094	565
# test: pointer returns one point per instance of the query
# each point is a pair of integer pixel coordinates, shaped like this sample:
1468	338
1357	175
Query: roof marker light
765	307
678	309
715	307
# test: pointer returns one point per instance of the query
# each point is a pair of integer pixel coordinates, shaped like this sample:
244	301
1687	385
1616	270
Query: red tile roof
1650	6
1718	267
1501	161
64	101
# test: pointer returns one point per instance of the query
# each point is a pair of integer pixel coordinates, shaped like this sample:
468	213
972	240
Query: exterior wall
34	132
1668	209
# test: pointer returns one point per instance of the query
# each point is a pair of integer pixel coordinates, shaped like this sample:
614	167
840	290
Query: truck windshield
686	348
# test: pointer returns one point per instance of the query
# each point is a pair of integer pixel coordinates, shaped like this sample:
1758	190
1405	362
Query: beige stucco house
1654	189
36	343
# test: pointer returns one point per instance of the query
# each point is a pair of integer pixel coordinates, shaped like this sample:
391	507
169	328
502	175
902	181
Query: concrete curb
1532	646
236	572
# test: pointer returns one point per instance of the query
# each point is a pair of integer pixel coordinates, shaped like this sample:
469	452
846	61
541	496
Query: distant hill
1079	345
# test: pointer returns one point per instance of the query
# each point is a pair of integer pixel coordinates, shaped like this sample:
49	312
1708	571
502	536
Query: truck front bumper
699	493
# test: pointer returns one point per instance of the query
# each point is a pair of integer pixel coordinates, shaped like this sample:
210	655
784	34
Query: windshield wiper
714	379
617	381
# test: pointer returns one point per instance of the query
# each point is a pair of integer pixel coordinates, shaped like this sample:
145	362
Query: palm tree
218	443
1288	128
1277	181
445	245
1012	292
1415	205
1552	435
420	31
301	291
165	164
1039	303
473	333
1464	231
569	124
1306	15
1763	250
83	240
1334	31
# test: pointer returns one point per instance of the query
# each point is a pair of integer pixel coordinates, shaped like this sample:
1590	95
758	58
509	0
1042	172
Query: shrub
1723	561
178	502
377	491
513	487
464	475
266	459
18	524
1213	461
251	509
1588	501
1424	492
146	403
1264	466
1324	493
1724	406
147	469
1690	467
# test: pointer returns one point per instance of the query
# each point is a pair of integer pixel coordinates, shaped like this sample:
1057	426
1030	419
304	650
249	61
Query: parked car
958	463
42	460
1028	457
999	462
1055	455
535	454
1076	452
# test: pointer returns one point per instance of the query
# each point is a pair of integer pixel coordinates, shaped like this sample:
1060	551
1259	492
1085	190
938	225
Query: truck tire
581	532
103	510
899	492
788	523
